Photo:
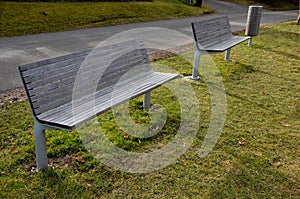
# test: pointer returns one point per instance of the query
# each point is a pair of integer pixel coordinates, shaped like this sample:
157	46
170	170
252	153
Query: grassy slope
280	5
257	155
31	18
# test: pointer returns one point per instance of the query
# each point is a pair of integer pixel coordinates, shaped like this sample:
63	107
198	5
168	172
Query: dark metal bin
253	21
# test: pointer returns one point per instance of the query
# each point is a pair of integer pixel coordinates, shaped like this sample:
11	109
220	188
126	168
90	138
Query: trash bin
253	21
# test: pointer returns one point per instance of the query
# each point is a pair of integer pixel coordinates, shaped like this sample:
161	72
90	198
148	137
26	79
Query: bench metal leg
250	42
40	145
227	55
146	103
197	55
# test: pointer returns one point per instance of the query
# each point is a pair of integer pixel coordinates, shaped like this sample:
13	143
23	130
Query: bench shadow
251	175
245	68
216	87
276	76
273	50
281	34
252	102
57	181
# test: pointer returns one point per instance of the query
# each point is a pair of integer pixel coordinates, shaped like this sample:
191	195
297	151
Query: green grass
279	5
18	18
257	155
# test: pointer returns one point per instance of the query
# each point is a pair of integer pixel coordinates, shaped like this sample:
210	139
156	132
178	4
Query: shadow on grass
245	68
252	176
235	70
252	102
273	50
276	76
286	36
58	183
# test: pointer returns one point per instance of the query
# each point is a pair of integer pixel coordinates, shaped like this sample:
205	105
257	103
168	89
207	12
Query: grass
279	5
21	18
257	155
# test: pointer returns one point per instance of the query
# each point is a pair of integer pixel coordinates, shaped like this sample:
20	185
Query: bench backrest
210	31
50	83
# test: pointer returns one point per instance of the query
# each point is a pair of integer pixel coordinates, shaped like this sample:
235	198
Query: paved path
18	50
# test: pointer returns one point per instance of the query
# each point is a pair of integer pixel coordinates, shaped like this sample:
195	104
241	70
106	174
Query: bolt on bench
86	83
213	35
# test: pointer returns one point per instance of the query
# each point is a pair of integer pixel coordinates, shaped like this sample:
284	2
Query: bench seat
63	116
225	45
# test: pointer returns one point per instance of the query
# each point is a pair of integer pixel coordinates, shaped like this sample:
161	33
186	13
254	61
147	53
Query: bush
274	2
75	0
271	4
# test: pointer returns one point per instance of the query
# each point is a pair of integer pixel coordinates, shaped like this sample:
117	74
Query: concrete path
24	49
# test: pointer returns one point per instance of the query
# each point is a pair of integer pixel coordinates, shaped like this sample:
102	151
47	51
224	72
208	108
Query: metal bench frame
213	35
49	85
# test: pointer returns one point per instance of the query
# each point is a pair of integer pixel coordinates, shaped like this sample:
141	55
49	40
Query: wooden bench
213	35
69	90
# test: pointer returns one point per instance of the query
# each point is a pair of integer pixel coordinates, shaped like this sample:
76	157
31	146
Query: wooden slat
39	110
52	69
31	66
41	91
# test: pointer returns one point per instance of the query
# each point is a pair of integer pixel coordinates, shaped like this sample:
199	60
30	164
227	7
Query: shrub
75	0
274	2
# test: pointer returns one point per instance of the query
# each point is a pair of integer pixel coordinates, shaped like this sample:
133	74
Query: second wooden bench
213	35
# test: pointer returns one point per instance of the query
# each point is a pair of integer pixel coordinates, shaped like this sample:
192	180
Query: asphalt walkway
24	49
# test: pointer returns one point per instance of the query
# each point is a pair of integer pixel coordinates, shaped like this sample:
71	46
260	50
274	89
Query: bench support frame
197	54
146	103
250	42
40	145
227	55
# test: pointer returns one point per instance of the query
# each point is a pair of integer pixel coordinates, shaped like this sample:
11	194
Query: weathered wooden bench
86	83
213	35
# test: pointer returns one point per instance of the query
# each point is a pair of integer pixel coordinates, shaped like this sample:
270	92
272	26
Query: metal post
250	42
40	146
146	103
197	55
227	55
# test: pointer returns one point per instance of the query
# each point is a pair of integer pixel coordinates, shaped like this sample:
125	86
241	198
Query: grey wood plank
53	69
33	65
